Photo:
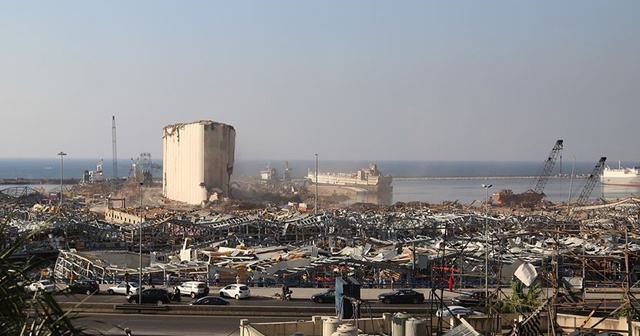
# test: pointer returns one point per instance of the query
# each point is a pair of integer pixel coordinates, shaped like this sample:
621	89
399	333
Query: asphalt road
262	298
165	325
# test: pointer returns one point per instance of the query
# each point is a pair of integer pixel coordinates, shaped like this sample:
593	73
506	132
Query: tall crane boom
591	180
543	176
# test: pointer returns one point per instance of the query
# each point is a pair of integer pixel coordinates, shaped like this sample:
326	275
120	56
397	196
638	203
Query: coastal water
432	182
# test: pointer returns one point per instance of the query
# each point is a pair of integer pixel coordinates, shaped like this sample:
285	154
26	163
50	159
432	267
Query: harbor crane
534	195
547	167
590	181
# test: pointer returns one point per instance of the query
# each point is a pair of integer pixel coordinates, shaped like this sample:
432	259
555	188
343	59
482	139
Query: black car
402	295
83	287
158	296
470	299
328	296
209	301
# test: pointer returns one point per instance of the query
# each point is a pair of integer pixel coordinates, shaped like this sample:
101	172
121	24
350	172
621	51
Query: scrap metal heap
409	246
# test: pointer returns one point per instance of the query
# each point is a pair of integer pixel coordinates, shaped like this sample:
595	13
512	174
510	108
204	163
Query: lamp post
573	168
140	254
315	203
62	154
486	242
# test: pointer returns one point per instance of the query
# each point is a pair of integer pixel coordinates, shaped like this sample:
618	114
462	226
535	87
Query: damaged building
198	160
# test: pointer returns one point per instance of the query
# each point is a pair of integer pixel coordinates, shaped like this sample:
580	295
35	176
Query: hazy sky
362	80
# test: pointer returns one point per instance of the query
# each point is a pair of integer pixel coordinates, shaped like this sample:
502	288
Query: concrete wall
197	160
569	323
313	327
120	217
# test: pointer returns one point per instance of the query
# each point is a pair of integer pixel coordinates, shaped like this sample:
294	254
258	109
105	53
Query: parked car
475	298
158	296
43	286
194	288
83	287
586	333
455	311
209	301
402	295
328	296
121	288
235	291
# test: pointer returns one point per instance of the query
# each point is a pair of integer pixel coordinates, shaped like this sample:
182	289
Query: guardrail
140	308
292	311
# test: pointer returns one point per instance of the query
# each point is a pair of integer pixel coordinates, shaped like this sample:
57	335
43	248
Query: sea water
425	181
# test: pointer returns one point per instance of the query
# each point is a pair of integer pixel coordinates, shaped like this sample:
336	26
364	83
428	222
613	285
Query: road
166	325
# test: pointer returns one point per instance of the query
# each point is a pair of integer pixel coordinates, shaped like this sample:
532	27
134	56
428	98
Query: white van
194	288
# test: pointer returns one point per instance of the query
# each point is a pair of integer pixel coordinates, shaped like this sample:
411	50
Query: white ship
369	179
621	176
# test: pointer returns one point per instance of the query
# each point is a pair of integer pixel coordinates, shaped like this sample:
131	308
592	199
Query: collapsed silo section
198	160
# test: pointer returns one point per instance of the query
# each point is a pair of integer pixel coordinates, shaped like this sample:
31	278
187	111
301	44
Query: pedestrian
216	277
238	279
176	293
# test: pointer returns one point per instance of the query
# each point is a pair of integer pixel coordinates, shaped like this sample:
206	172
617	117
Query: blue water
465	191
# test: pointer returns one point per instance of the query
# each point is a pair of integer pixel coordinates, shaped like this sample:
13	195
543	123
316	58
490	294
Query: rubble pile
412	244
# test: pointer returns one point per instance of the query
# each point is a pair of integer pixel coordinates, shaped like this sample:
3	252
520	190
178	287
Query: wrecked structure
198	161
415	245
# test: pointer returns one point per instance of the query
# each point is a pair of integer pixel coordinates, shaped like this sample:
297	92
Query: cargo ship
621	176
369	180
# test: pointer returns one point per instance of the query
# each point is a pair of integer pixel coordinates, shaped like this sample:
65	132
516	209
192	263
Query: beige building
198	160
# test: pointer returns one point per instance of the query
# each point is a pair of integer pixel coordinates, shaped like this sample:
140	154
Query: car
41	286
209	301
83	287
194	288
455	311
583	333
328	296
158	296
402	295
235	291
121	288
475	298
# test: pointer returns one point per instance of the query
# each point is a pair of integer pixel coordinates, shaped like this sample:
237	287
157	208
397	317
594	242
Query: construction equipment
531	196
547	167
590	181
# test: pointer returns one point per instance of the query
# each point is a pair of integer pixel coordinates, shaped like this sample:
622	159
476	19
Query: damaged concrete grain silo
198	161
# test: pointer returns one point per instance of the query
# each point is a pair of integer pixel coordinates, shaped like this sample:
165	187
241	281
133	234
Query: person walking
216	277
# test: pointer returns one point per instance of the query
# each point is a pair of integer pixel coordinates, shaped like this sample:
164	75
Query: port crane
547	167
535	194
590	181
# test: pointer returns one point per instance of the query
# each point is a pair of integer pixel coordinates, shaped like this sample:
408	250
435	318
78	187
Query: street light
62	154
315	203
486	242
140	254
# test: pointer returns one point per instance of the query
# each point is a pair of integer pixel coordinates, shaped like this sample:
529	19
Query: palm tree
522	301
22	313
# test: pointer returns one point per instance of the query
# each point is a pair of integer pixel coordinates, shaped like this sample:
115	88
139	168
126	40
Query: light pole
140	254
62	154
315	203
573	168
486	242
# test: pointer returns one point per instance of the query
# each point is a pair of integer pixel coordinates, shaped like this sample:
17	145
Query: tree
522	300
23	313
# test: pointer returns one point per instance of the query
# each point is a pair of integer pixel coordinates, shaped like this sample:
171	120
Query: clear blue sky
363	80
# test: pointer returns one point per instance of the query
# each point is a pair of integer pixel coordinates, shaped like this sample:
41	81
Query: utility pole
315	203
140	254
62	155
486	242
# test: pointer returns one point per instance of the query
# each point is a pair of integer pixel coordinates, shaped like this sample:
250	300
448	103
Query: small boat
621	176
